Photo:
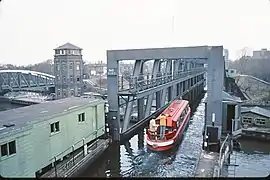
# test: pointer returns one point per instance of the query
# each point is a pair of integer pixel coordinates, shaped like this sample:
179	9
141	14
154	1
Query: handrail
222	155
71	147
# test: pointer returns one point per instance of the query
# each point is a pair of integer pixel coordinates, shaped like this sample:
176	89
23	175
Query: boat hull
168	144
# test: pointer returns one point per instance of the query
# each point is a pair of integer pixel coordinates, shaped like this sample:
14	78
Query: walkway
206	164
70	165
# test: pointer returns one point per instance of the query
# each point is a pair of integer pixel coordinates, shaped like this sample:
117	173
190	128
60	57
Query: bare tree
243	59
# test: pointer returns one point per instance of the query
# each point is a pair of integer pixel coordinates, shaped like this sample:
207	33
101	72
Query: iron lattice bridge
24	80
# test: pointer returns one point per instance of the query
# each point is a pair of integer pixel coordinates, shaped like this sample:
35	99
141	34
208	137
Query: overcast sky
30	29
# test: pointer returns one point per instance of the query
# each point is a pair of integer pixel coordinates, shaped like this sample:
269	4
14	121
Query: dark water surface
6	106
253	159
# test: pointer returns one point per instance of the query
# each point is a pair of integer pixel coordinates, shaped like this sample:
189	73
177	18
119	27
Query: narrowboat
177	118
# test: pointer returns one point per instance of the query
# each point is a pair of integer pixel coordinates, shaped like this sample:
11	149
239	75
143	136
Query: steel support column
149	102
112	86
165	91
129	107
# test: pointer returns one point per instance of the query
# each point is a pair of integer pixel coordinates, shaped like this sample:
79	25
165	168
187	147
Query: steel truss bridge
176	72
32	81
24	80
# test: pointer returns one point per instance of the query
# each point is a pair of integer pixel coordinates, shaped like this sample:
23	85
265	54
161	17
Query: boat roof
177	106
256	110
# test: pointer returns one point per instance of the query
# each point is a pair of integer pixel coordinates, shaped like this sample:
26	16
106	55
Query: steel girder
16	80
184	67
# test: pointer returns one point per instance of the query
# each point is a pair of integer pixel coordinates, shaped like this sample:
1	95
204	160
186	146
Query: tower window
64	93
58	67
64	79
79	91
78	79
59	92
72	92
71	79
78	67
71	66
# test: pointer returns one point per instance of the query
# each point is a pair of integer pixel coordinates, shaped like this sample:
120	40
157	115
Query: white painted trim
160	144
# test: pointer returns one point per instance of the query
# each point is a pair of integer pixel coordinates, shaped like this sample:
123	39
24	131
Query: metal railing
146	81
71	150
224	152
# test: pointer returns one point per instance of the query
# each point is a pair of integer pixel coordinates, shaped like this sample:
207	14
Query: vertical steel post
73	155
55	170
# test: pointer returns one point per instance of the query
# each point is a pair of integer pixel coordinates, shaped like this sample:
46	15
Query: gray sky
30	29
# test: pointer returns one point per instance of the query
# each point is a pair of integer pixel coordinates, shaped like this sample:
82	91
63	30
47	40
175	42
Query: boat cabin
175	114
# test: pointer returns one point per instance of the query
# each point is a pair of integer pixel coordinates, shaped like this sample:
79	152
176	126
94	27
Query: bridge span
33	81
25	80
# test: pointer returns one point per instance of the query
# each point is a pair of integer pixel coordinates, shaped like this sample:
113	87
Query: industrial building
33	138
68	71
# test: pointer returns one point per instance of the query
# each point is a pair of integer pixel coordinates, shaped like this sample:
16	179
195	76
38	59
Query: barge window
81	117
260	121
247	120
55	127
4	150
12	147
8	148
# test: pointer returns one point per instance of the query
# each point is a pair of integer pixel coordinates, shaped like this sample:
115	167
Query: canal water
252	161
4	105
134	160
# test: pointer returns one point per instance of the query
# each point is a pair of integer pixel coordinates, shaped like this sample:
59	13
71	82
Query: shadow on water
133	159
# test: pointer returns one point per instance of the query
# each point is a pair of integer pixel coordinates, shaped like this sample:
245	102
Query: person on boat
169	123
162	125
153	126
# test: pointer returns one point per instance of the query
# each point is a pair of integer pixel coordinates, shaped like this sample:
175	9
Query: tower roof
68	46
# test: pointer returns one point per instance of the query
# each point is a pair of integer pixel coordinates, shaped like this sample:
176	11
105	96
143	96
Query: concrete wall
254	116
37	147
